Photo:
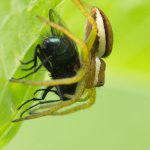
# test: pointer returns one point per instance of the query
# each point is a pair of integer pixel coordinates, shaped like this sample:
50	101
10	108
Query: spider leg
84	11
90	40
65	81
89	103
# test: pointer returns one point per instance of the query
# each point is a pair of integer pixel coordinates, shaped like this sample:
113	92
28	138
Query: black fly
59	55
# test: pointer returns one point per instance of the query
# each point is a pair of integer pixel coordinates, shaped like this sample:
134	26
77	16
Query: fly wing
54	17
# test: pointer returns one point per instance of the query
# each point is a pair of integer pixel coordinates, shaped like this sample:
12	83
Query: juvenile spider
74	77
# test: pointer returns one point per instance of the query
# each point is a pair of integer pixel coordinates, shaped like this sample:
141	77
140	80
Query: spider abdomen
104	39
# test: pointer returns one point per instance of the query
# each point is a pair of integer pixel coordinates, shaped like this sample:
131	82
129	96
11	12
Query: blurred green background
120	119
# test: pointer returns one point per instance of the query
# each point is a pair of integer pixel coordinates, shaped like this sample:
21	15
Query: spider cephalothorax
74	76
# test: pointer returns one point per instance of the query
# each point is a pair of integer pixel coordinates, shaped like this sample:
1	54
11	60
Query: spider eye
104	39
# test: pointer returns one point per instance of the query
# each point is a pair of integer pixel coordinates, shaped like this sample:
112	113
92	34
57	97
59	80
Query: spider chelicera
74	76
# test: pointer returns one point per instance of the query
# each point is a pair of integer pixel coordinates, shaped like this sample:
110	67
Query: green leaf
120	117
19	30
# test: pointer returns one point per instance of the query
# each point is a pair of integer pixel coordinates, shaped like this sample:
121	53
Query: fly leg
48	89
36	55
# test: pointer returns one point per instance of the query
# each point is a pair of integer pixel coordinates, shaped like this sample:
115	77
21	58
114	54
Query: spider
74	76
